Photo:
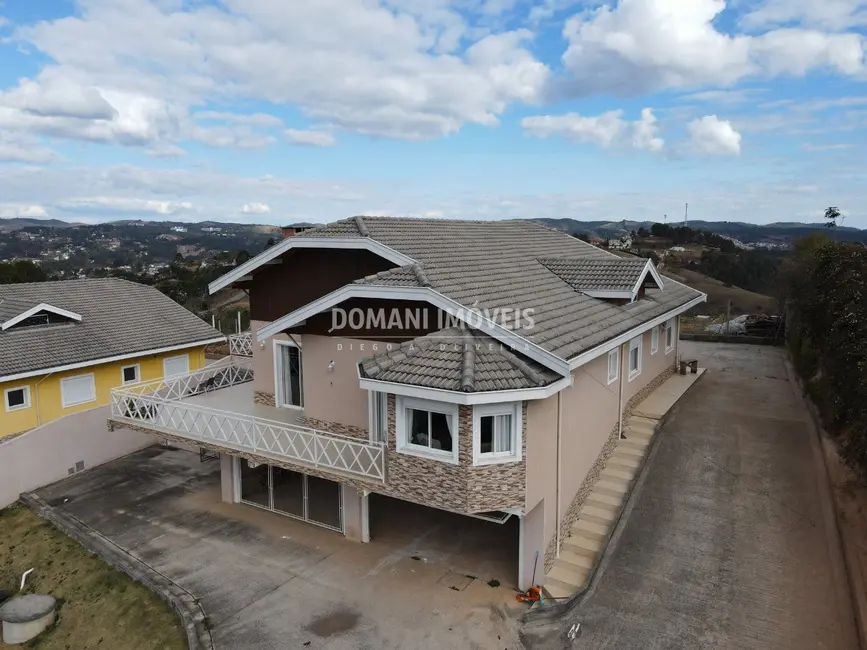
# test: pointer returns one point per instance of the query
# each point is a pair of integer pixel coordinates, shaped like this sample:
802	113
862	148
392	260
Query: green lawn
98	606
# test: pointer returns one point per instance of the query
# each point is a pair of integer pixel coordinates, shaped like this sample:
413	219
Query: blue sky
312	110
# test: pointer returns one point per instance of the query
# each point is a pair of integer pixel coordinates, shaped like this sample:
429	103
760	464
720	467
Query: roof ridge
362	227
420	275
523	366
468	363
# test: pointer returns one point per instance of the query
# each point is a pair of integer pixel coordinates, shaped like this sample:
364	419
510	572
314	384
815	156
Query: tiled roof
615	274
495	264
118	318
457	360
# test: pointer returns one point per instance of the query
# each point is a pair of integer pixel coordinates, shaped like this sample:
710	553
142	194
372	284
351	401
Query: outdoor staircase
583	547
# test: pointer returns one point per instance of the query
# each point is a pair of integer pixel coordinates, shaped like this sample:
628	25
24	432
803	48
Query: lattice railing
160	406
241	344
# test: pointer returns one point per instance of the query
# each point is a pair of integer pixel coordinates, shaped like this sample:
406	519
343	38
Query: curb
851	561
183	602
551	613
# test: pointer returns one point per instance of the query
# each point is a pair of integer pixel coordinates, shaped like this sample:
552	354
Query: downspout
559	429
620	393
36	395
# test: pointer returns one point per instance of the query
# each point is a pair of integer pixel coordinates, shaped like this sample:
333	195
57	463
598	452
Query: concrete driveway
267	582
727	544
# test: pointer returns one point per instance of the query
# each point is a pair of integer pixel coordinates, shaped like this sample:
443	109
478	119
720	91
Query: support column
227	478
532	541
356	524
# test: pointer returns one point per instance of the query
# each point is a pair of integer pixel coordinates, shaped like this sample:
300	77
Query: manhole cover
455	581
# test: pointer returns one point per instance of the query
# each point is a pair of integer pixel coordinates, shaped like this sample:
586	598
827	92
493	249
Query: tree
241	257
831	215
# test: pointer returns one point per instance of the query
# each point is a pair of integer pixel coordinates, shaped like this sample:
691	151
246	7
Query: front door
289	378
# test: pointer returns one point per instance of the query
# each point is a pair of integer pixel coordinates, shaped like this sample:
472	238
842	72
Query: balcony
241	345
214	407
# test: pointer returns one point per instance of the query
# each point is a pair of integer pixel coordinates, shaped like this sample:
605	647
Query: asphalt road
729	543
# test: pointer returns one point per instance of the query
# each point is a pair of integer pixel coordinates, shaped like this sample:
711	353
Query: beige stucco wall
589	413
45	454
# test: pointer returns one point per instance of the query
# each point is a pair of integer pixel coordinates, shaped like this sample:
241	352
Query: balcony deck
214	407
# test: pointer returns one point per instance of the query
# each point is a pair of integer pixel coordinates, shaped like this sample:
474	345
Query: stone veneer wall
586	488
461	487
266	399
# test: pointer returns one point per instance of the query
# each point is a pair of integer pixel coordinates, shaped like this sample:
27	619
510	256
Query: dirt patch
98	606
336	622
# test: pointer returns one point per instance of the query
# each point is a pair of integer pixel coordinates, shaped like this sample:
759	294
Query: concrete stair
583	546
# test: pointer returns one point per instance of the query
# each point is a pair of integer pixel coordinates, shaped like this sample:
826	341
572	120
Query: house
476	367
623	244
64	345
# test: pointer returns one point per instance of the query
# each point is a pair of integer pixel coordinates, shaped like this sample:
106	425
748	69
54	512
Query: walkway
727	543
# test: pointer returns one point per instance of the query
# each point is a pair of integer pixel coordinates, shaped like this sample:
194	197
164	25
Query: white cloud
713	136
8	211
252	119
235	136
828	14
650	45
309	138
24	149
402	69
123	204
606	130
163	150
255	208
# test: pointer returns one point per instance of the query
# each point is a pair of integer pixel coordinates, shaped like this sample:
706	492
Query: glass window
613	364
130	374
654	340
669	336
634	357
17	398
379	417
495	434
290	375
429	429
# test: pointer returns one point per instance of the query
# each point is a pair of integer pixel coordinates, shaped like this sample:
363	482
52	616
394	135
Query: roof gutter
598	351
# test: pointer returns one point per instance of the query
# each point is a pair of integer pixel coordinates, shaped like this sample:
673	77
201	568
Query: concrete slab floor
727	544
269	582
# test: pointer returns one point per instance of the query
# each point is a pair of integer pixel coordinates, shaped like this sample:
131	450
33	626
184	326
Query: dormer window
41	314
616	279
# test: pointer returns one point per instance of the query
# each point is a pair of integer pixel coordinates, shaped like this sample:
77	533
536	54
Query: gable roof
610	278
42	307
117	319
456	360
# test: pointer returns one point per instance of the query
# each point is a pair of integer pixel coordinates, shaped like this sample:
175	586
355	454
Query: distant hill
17	223
783	232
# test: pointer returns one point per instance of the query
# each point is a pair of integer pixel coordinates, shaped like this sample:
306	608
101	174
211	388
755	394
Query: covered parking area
270	581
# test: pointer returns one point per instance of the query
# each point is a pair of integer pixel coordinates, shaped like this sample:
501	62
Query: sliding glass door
309	498
289	377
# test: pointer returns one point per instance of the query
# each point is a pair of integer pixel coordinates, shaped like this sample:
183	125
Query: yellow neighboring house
65	345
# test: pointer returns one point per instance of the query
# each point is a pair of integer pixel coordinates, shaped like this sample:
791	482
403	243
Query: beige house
476	367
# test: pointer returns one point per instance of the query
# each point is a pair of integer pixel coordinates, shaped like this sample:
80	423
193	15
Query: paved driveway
267	582
726	546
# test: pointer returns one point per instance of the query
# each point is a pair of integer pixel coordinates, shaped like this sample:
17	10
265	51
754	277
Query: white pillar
356	524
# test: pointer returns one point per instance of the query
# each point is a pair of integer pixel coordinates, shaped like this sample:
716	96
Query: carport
465	545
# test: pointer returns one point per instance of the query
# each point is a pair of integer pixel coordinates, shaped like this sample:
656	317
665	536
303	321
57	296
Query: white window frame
516	411
669	331
124	382
66	404
634	344
654	340
26	405
178	356
615	353
378	416
278	394
406	447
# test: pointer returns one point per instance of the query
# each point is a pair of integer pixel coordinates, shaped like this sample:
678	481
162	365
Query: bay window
427	428
497	433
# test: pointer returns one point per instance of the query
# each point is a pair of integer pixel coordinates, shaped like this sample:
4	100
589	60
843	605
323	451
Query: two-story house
476	367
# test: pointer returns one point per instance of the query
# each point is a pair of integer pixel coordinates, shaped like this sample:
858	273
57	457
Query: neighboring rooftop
457	360
117	318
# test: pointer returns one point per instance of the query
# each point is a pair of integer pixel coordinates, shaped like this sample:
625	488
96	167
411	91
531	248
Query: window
634	358
428	429
176	366
654	340
496	433
669	336
613	365
289	381
77	390
17	398
378	417
130	374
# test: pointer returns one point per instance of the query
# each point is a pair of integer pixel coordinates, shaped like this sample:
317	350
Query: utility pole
686	216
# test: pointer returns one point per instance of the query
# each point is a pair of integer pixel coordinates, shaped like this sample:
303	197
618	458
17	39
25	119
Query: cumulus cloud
165	150
309	138
124	204
650	45
605	130
713	136
828	14
22	148
22	211
255	208
401	69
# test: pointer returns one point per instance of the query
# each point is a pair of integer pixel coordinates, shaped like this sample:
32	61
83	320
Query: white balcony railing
163	406
241	344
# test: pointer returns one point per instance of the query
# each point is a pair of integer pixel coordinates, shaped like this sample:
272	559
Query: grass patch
98	606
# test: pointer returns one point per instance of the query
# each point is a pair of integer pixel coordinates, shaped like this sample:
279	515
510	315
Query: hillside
718	295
